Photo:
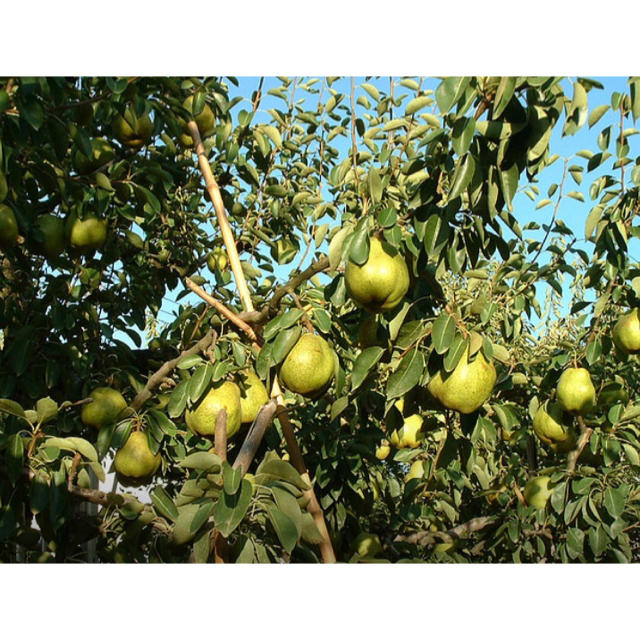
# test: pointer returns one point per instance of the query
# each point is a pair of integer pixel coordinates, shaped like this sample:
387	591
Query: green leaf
284	342
288	505
163	503
635	99
371	90
375	185
190	361
614	501
11	407
359	246
407	375
15	457
232	478
273	134
449	92
443	332
285	529
509	183
47	410
575	542
455	352
597	113
281	470
178	400
417	103
462	175
462	134
310	532
200	381
335	247
84	447
363	364
202	461
598	540
504	93
231	509
338	407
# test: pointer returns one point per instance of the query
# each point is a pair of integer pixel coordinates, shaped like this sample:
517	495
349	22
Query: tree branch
585	435
220	437
426	538
167	367
254	437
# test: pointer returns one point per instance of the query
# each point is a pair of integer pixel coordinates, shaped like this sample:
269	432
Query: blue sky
572	212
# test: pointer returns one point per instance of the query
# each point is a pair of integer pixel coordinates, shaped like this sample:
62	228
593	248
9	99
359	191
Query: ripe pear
87	234
51	231
383	450
8	227
135	459
106	405
576	393
537	492
367	544
101	153
202	419
467	387
308	367
205	120
381	282
252	397
409	436
550	426
132	131
626	332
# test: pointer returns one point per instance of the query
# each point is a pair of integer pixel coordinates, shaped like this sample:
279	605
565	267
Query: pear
626	332
8	227
252	397
205	120
549	425
51	231
367	544
409	436
87	234
131	130
106	405
467	387
101	153
537	492
202	418
383	450
576	393
135	459
381	282
217	260
308	367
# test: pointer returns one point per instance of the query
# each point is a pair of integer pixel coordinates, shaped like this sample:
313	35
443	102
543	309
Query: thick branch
227	234
167	368
220	438
426	538
254	436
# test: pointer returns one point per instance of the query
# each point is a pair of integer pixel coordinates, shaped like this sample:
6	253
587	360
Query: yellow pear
8	227
537	492
308	367
550	426
381	282
383	450
202	418
409	434
467	387
253	395
135	459
105	407
626	332
576	393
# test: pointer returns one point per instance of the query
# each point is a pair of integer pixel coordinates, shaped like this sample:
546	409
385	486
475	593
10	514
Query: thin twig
585	435
426	538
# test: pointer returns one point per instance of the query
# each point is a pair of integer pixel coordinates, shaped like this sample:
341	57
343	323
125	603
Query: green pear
8	227
381	282
217	260
51	231
537	492
253	395
202	418
105	407
550	426
308	367
135	460
87	234
576	393
205	120
132	131
626	332
101	153
409	436
367	544
467	387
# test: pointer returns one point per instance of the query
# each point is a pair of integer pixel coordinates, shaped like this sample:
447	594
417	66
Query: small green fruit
101	153
135	459
467	387
550	426
202	419
537	492
367	544
8	227
253	395
205	120
51	232
576	393
626	332
87	234
381	282
132	131
107	404
308	367
217	260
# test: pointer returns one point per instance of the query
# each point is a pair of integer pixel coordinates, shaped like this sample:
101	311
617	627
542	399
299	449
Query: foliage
433	172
